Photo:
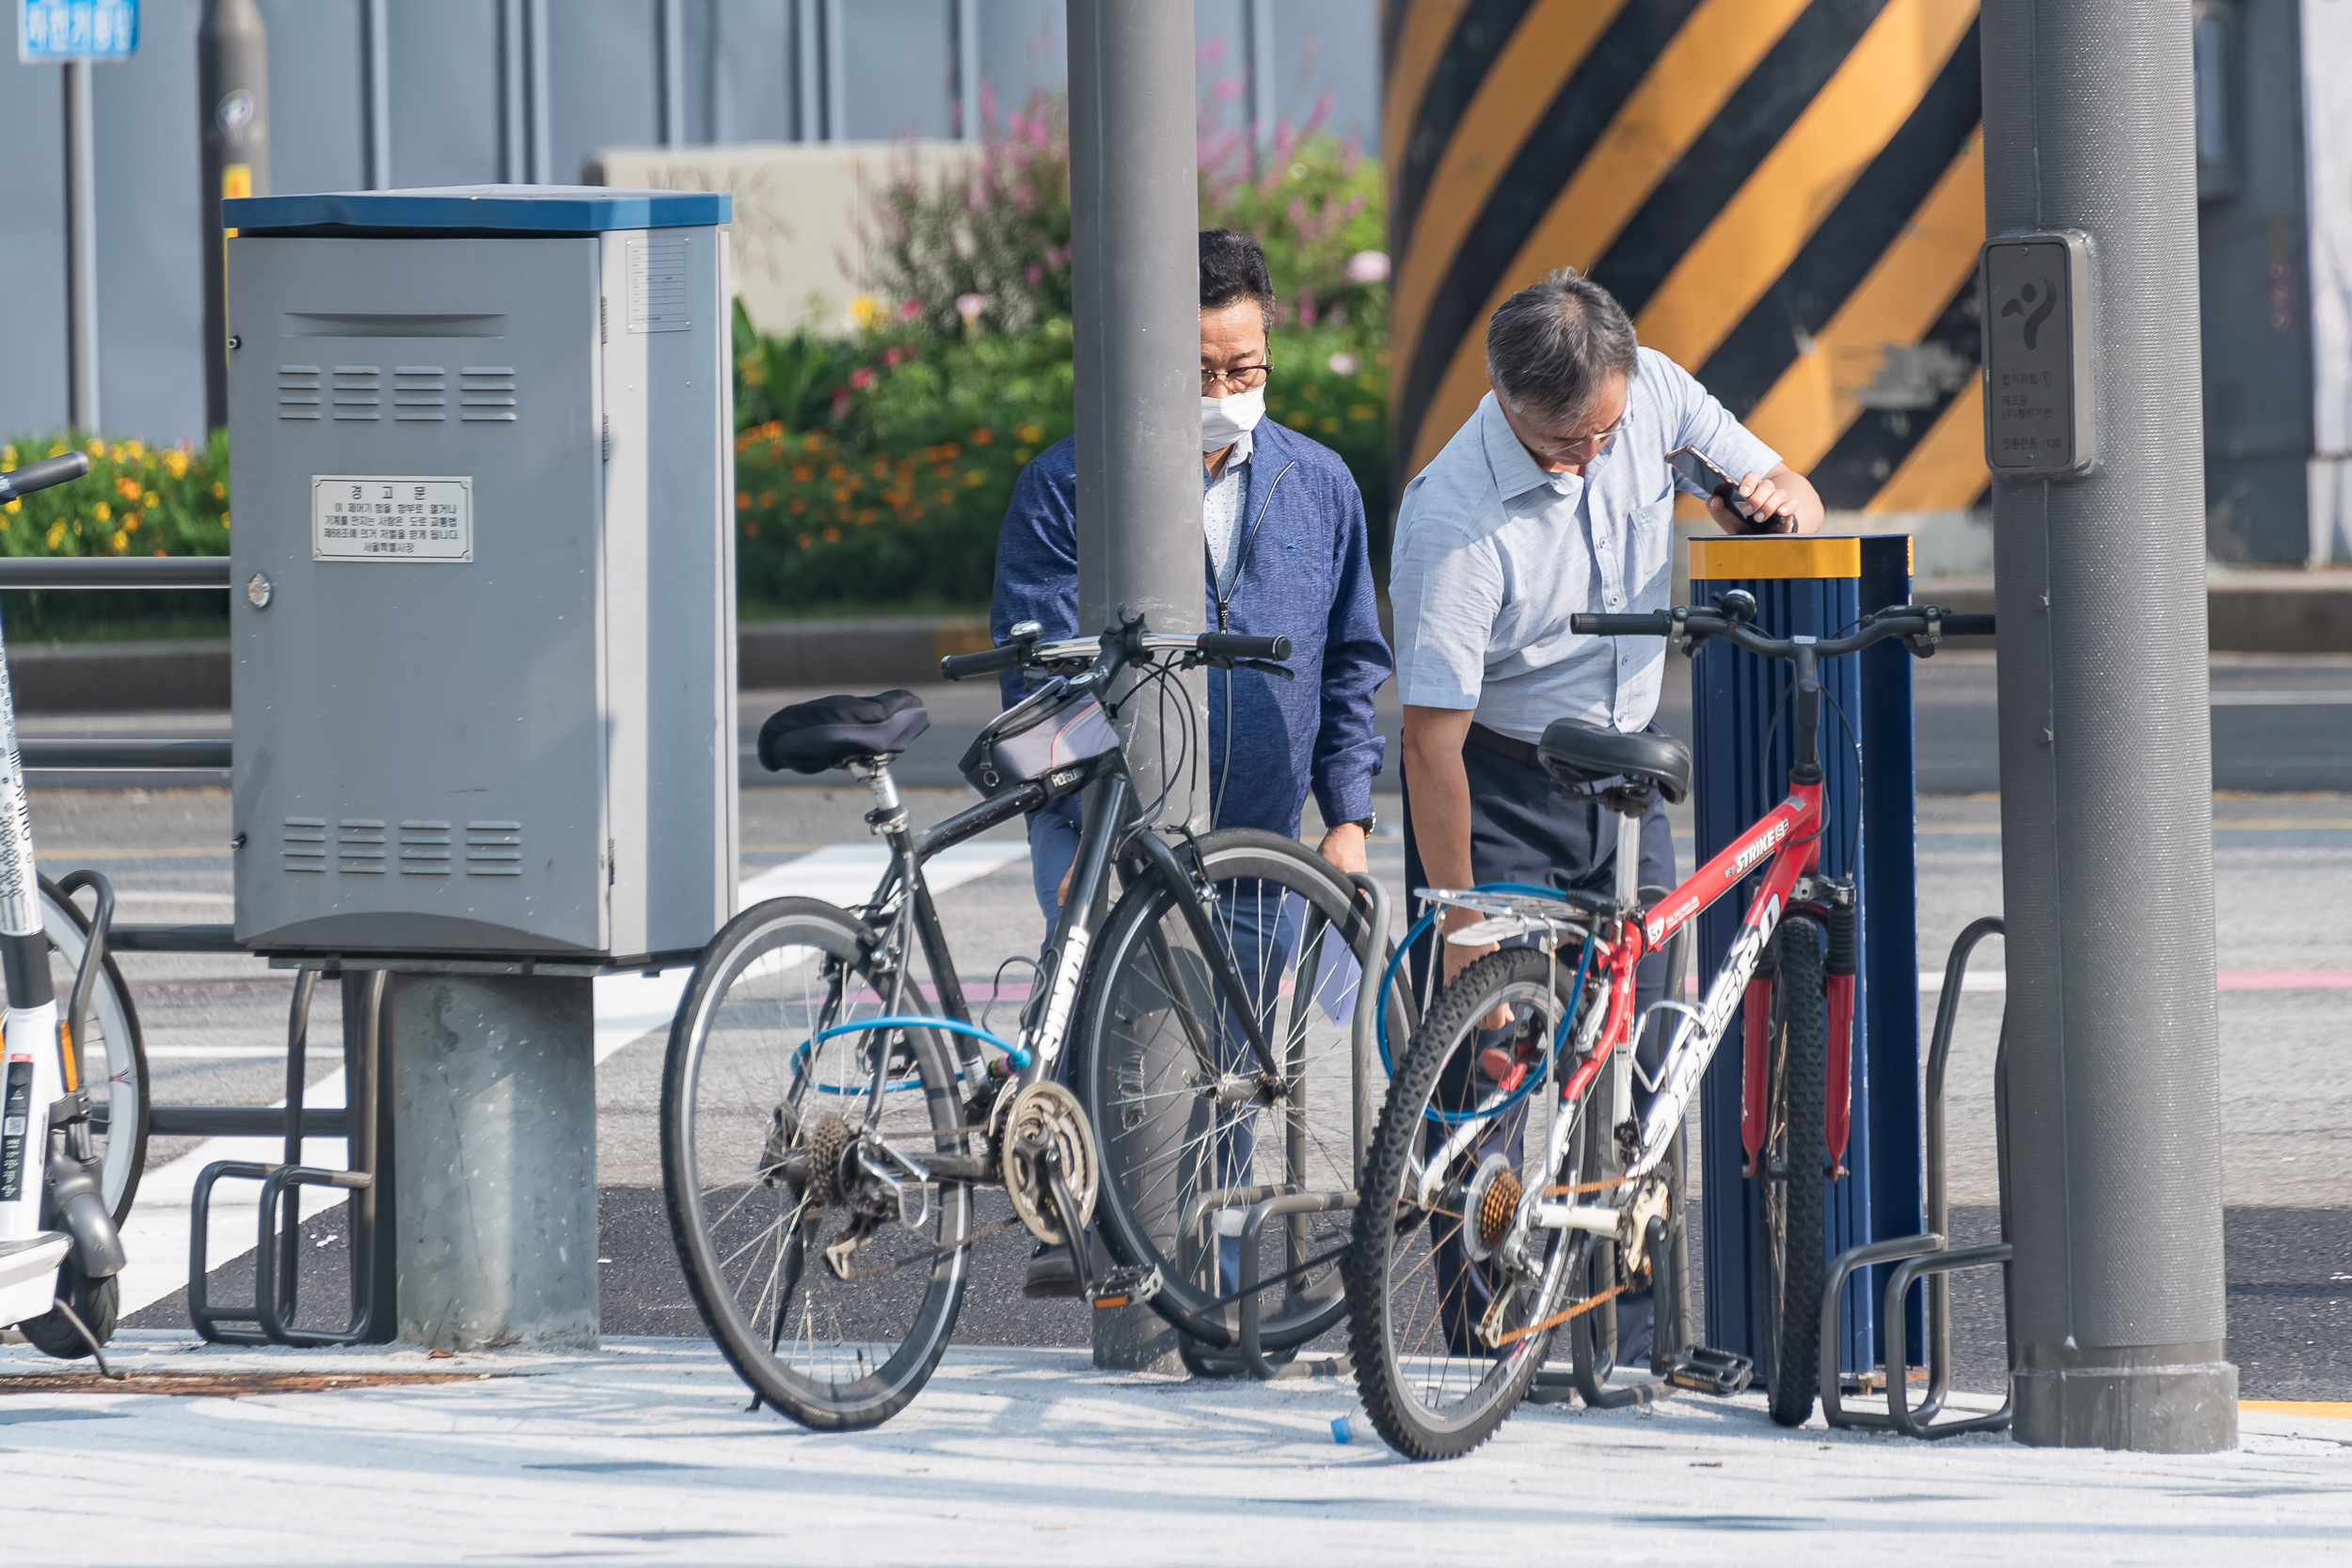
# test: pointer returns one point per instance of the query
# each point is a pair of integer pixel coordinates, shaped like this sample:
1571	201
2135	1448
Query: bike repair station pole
1135	288
2112	1140
1744	741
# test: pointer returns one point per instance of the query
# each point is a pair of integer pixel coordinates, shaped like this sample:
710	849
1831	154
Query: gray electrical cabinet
484	617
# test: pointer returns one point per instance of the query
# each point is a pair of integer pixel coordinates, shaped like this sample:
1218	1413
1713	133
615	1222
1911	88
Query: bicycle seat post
889	816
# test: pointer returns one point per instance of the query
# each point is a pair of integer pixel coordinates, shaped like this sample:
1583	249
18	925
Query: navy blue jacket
1304	573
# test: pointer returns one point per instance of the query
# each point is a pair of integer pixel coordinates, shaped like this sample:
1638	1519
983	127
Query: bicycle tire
744	1058
97	1302
1145	1063
1407	1346
1791	1197
115	1023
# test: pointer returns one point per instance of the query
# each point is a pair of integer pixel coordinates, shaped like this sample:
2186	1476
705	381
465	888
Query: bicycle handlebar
1114	650
42	475
962	667
1906	621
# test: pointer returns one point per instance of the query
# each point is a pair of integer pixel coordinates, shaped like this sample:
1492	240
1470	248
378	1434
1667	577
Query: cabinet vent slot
359	845
297	391
425	848
356	393
418	392
494	849
486	392
302	843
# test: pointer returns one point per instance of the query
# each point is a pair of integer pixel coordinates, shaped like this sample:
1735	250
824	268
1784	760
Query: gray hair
1554	345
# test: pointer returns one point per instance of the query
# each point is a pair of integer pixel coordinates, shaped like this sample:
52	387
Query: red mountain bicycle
1511	1186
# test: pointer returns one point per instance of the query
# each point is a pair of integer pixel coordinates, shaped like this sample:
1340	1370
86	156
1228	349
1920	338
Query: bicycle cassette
1043	1126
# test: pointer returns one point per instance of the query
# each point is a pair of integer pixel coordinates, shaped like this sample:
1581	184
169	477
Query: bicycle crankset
1041	1133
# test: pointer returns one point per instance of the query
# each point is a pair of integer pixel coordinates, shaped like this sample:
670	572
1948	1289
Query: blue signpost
55	31
75	35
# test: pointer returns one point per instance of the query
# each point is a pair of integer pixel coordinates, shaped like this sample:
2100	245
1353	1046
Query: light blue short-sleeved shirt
1493	555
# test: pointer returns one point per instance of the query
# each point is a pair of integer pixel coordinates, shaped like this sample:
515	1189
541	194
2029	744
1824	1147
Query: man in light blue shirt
1554	499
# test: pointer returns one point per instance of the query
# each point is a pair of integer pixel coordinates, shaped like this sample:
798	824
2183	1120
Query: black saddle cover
831	732
1580	754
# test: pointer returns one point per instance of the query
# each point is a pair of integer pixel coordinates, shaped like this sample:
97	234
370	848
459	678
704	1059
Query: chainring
1046	1116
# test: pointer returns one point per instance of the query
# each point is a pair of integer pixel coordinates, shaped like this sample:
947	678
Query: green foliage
136	499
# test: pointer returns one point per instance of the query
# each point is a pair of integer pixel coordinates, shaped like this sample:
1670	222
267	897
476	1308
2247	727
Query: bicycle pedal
1720	1373
1129	1286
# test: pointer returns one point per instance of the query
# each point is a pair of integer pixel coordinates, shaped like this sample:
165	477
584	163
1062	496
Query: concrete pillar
2106	817
494	1113
1136	294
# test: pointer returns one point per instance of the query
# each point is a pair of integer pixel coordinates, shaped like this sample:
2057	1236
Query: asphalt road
2283	883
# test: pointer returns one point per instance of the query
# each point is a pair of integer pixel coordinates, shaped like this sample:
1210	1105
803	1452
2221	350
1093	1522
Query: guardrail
114	571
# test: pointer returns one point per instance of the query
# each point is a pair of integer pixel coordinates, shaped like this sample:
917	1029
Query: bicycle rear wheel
1444	1322
1791	1175
828	1297
1191	1136
112	1056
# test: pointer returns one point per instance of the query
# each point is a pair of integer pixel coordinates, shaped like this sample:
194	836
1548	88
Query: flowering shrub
136	499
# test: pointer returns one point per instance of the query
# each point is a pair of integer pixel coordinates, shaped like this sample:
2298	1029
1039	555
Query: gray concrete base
2188	1408
494	1113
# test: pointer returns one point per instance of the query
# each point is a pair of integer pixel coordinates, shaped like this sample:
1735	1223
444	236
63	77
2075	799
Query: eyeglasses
1593	444
1241	378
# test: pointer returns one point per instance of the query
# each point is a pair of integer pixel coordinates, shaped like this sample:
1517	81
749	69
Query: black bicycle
1187	1072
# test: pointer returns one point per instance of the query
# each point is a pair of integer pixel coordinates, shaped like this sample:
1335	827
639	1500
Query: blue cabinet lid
500	208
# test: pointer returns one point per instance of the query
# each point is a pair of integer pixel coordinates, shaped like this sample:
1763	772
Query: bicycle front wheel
112	1055
828	1275
1791	1175
1450	1325
1193	1131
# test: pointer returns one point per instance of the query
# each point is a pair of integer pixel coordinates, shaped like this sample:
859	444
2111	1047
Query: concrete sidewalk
642	1452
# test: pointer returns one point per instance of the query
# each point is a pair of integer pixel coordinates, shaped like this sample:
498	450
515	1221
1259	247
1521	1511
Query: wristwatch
1366	822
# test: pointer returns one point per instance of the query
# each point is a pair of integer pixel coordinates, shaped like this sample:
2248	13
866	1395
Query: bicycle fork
46	1169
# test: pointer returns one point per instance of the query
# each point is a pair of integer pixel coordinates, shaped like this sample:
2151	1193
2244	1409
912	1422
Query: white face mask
1225	420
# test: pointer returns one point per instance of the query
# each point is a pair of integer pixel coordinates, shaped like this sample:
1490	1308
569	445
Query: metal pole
836	72
671	24
514	102
1135	287
536	64
809	95
81	250
1258	22
375	95
2114	1115
967	18
232	109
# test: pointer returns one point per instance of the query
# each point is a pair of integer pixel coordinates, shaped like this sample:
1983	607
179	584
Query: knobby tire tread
1804	1093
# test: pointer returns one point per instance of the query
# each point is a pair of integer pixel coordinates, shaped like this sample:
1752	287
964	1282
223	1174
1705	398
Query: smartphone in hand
1708	479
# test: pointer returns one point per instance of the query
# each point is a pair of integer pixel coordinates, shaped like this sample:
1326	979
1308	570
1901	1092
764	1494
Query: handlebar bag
1038	739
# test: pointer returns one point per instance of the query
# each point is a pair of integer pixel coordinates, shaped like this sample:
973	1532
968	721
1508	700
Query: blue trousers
1260	933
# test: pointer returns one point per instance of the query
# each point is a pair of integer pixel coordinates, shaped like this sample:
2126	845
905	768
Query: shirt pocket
1650	547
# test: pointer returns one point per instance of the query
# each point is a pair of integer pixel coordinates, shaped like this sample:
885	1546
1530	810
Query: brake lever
1267	667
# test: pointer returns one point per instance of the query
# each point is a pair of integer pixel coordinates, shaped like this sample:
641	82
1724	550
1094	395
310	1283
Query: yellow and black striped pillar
1785	195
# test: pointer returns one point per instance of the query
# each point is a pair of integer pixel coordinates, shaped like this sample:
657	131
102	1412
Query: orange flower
983	436
743	500
803	473
833	536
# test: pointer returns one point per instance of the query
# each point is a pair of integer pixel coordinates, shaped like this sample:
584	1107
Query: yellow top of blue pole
1775	556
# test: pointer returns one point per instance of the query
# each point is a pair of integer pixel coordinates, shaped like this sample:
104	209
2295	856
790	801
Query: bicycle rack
277	1259
1246	1355
1925	1255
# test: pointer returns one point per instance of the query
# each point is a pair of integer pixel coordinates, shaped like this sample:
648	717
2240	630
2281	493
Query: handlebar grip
42	475
962	667
1655	623
1968	625
1233	644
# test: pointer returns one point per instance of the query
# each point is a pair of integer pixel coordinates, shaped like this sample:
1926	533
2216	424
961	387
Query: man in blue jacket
1283	554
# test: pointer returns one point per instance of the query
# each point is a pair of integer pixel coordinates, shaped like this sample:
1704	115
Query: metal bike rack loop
1926	1255
1246	1355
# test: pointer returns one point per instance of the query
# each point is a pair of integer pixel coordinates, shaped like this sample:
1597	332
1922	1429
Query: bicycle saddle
832	732
1580	754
